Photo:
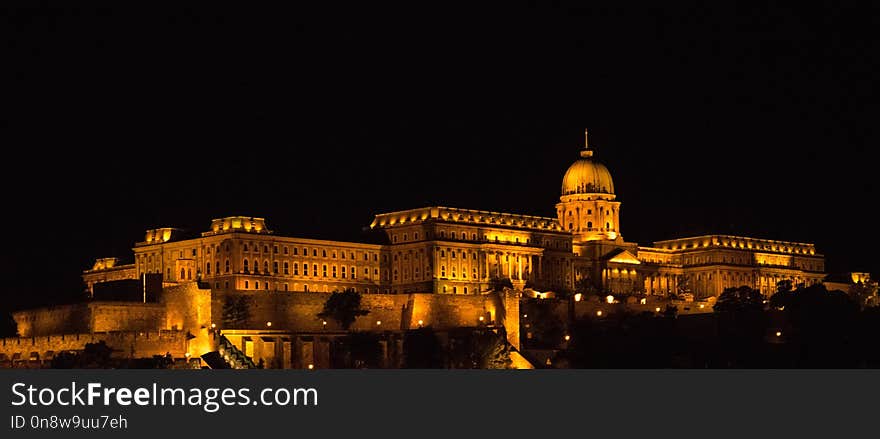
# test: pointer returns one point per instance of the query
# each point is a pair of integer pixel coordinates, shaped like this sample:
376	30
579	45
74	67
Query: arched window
217	267
227	265
182	274
265	249
246	266
286	267
246	285
207	268
589	224
245	247
189	274
266	267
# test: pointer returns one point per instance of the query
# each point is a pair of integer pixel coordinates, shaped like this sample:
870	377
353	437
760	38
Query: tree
783	286
736	299
343	307
8	325
93	356
500	283
236	312
479	348
492	349
862	292
546	326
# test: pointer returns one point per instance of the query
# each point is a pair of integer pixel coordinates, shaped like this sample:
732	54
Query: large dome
587	176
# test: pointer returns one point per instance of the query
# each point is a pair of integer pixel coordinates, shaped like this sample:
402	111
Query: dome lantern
587	176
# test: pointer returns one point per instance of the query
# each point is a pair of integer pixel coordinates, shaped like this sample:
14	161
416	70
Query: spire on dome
586	153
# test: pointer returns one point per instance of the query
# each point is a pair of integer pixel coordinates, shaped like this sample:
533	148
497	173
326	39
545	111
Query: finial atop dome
586	153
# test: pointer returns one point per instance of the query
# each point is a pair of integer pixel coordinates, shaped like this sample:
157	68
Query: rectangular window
343	272
334	271
353	273
315	270
275	249
286	251
324	270
275	267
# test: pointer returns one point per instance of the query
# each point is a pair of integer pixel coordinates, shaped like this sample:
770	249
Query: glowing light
609	299
481	318
421	323
324	322
567	337
578	297
187	355
525	316
779	333
378	323
657	309
311	366
702	306
269	324
599	313
213	326
644	301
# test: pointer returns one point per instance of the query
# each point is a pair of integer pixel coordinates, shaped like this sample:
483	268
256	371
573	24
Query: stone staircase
230	356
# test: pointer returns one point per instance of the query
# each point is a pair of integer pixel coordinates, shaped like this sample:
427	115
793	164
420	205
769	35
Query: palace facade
461	251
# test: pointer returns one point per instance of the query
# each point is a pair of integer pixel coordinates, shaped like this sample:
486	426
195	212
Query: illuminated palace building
459	251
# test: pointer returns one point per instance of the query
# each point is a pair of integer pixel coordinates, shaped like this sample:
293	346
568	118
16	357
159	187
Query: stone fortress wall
182	322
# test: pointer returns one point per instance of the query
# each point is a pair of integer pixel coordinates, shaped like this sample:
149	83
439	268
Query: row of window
341	254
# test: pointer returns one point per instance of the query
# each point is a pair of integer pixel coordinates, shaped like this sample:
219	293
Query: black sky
724	119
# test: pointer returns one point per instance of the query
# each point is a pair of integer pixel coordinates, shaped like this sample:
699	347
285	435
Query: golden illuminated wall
590	217
709	264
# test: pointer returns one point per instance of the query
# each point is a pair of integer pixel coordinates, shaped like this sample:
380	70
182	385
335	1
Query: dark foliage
343	307
8	325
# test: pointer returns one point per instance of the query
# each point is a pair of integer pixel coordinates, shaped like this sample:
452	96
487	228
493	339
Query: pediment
623	257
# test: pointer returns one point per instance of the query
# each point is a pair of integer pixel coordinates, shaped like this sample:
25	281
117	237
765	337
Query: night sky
753	121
